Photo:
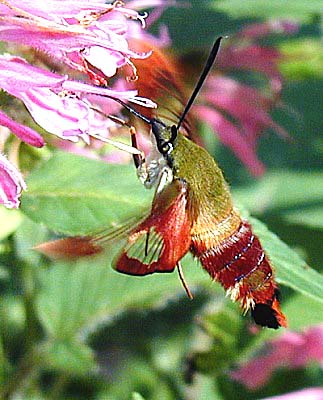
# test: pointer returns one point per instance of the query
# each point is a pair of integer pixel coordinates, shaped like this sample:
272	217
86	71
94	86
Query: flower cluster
238	112
89	37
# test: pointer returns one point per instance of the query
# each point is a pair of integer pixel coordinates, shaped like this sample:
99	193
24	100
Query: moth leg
138	159
137	154
182	279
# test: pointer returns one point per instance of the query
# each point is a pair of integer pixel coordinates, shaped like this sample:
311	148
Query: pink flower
239	113
290	350
88	36
11	184
305	394
24	133
57	104
82	35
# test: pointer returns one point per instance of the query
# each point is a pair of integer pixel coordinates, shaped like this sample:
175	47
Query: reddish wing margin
163	238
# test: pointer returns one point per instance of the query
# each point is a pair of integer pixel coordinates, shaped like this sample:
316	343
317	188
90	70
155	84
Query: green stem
3	362
29	296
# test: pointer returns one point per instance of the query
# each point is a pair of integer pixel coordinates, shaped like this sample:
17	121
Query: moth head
165	137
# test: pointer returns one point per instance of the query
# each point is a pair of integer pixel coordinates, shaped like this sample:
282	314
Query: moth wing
162	81
163	238
73	247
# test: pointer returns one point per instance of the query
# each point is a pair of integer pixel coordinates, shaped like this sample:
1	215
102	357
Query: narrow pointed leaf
290	269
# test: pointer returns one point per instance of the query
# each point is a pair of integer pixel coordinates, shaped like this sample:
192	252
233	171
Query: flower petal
291	349
11	184
230	136
24	133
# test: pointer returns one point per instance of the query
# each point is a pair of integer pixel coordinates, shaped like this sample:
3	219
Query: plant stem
33	329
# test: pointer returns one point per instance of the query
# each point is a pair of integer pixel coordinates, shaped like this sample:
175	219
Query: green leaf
302	59
312	217
70	357
27	236
76	297
224	327
297	9
303	311
291	270
10	220
206	388
77	195
295	196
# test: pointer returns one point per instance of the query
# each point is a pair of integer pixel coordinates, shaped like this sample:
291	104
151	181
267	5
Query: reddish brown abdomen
240	264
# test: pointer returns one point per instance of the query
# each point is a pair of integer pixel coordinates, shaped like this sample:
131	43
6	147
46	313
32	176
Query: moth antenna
131	110
184	283
208	65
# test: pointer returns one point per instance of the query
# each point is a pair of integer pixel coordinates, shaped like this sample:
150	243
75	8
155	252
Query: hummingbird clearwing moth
192	211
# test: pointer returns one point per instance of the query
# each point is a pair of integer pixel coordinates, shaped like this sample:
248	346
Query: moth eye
166	148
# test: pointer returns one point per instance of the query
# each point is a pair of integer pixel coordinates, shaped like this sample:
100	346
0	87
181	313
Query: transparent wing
74	247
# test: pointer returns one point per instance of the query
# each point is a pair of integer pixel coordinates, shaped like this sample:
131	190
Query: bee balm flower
11	184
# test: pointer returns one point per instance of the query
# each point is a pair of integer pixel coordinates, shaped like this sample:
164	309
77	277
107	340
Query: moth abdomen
243	268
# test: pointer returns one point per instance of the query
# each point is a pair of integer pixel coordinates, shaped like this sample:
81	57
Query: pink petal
230	136
24	133
11	184
290	350
17	75
260	30
54	9
254	58
311	348
65	116
246	106
106	61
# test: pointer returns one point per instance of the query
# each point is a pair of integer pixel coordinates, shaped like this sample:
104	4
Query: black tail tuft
264	315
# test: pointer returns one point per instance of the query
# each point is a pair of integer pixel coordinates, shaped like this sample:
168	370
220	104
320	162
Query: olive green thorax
206	183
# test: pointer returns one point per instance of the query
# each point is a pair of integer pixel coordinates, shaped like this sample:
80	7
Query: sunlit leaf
303	59
291	270
76	195
205	387
312	217
295	196
297	9
10	220
137	396
77	297
303	311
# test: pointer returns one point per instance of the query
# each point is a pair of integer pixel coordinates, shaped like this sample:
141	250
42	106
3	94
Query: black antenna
131	110
208	65
206	69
